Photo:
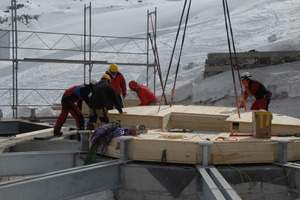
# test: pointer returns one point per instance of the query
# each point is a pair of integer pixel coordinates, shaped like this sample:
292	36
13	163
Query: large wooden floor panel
212	125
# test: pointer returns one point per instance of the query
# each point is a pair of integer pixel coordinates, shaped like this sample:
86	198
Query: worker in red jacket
72	103
117	80
146	96
256	89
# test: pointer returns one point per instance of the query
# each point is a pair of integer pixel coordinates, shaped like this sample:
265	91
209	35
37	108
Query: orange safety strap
172	97
226	139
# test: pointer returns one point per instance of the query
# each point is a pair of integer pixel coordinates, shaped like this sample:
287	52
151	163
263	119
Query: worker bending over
146	96
256	89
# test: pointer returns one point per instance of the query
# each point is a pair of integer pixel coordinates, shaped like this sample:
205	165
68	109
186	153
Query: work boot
57	132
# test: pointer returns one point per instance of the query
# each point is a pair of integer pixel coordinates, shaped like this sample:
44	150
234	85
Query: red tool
226	139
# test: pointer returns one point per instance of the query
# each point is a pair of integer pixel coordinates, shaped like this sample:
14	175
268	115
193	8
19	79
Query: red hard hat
133	85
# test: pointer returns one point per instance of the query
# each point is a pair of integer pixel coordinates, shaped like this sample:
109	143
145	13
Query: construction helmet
245	75
133	85
94	81
105	76
113	68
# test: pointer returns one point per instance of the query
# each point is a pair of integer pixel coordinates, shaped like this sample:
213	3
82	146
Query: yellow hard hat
106	76
113	68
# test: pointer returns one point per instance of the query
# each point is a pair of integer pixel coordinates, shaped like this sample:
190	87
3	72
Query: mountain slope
263	25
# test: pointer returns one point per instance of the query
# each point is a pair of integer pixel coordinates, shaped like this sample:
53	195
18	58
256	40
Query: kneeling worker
146	96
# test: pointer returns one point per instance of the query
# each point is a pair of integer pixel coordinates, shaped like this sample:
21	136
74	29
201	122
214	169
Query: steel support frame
35	162
294	168
65	184
214	185
61	184
294	180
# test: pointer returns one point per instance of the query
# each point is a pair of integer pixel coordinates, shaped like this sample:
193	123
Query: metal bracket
124	148
205	157
282	150
215	186
84	136
32	116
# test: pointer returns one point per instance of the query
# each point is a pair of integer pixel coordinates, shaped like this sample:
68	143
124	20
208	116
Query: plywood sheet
242	157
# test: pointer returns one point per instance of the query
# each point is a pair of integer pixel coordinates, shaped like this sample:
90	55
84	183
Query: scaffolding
86	46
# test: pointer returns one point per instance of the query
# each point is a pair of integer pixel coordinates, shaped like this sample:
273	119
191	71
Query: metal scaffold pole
90	42
84	44
15	57
89	51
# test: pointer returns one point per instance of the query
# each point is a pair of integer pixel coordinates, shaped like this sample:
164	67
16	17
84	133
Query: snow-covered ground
263	25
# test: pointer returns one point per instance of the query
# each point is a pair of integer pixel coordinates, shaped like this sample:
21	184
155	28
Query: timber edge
211	127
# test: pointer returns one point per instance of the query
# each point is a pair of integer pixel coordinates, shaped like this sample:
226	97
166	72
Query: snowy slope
263	25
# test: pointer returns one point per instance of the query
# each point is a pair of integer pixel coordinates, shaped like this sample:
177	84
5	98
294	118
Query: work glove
124	96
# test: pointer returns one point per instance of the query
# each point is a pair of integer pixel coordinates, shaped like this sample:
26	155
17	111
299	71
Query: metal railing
25	44
29	96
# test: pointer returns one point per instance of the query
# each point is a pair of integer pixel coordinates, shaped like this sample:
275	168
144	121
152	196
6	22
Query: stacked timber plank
212	126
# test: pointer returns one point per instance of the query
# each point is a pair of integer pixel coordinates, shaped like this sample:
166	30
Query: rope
180	52
174	47
233	66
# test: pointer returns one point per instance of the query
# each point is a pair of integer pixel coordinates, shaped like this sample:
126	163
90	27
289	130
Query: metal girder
65	184
205	152
226	189
47	145
294	171
215	187
31	163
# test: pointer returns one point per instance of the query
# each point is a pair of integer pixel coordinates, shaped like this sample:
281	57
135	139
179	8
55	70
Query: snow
263	25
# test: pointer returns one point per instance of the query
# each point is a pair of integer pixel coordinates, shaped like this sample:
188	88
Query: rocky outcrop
220	62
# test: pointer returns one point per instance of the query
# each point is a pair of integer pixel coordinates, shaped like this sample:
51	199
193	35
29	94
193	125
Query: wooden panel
295	145
177	152
197	122
113	149
129	120
294	151
243	152
131	102
149	147
293	155
242	157
233	147
284	129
